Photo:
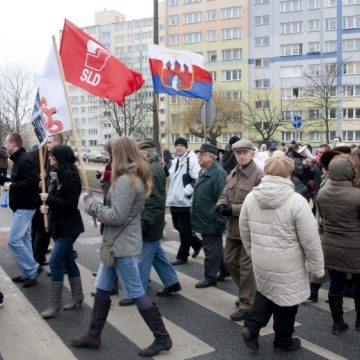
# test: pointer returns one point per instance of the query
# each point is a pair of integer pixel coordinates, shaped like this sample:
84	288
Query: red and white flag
90	66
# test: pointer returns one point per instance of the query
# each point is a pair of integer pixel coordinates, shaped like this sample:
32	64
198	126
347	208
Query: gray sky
26	26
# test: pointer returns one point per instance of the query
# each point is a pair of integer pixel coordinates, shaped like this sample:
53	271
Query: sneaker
1	299
295	345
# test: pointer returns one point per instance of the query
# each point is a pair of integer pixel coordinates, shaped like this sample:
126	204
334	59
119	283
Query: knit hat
63	154
181	141
341	168
279	166
233	140
147	144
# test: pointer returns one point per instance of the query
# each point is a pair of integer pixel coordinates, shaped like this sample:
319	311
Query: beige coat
279	232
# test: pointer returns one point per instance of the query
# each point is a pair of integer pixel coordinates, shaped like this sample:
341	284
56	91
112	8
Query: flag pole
73	127
156	96
43	185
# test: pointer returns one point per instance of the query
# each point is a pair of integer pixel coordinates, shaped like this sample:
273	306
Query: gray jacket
123	208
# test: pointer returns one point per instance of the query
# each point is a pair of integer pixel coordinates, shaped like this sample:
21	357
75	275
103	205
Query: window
231	75
92	131
230	13
291	71
314	69
191	38
262	20
231	95
351	113
314	4
262	104
262	41
173	39
351	90
186	2
314	114
262	62
211	35
192	18
262	83
211	15
173	20
351	2
331	69
292	93
288	115
314	25
314	47
329	3
290	5
351	68
174	99
291	28
314	136
287	136
351	22
313	92
231	54
351	44
231	33
212	56
173	2
258	2
291	49
175	118
174	137
330	46
351	135
330	24
213	75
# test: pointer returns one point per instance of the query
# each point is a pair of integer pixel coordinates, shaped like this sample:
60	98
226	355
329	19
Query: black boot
314	293
153	320
98	319
357	308
336	307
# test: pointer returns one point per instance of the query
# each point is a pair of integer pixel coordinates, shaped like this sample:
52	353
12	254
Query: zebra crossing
126	321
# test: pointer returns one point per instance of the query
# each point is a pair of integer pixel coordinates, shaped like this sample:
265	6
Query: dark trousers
40	238
338	280
284	319
213	255
182	223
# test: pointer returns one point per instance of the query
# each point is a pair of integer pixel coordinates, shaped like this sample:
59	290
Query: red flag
90	66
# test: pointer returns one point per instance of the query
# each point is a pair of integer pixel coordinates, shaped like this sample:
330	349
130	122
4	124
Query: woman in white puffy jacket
279	233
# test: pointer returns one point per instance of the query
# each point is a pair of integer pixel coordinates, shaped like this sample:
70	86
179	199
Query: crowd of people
285	204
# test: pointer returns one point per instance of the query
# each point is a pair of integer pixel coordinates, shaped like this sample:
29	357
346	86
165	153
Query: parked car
97	157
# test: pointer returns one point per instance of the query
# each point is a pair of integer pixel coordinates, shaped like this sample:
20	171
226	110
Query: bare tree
321	93
262	113
15	99
132	118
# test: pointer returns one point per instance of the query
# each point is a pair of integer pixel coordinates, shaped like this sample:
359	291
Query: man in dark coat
23	200
205	219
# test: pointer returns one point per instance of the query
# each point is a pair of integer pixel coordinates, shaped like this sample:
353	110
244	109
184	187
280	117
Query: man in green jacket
204	218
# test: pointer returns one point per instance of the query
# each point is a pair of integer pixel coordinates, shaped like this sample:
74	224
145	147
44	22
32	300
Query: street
197	319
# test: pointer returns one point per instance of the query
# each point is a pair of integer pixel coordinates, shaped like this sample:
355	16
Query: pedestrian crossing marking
327	354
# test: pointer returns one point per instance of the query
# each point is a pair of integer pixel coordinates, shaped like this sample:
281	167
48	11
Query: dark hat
63	154
243	145
181	141
233	140
210	148
147	144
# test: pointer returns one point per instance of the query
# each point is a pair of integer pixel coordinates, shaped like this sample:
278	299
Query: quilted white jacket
280	234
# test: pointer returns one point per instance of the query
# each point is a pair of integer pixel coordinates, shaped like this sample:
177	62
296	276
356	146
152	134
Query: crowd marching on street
289	216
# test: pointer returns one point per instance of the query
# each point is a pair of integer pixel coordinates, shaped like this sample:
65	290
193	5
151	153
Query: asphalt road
198	319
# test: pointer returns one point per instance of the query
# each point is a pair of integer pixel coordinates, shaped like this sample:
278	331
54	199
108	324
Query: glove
224	209
98	174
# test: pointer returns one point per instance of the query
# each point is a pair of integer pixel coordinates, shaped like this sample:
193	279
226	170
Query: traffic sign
296	121
208	112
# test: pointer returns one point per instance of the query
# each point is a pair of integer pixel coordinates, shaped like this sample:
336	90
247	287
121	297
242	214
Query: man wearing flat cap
204	218
239	183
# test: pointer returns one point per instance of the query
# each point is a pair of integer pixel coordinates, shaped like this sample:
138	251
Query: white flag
50	114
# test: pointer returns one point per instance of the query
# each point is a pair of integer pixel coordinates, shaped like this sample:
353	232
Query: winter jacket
121	216
3	159
153	215
24	190
177	194
208	188
279	233
63	200
339	207
238	185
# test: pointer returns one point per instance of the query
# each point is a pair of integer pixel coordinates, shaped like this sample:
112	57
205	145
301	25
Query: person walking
23	187
339	208
65	225
204	218
130	186
183	172
239	183
279	233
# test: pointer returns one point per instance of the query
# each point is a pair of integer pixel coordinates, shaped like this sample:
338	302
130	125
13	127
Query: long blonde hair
124	154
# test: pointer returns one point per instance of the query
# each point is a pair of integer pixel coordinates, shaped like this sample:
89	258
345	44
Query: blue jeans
127	271
153	254
20	243
62	257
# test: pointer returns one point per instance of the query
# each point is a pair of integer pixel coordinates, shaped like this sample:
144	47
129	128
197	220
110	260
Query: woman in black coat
65	225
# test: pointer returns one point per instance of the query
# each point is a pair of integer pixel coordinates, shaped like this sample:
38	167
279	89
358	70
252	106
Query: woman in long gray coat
339	208
130	185
279	233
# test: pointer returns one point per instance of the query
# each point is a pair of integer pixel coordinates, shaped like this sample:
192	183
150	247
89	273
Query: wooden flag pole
43	185
73	127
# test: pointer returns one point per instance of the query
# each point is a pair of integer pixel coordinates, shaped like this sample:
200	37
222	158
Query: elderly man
239	183
205	219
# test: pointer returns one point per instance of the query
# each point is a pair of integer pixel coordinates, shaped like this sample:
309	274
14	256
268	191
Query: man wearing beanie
183	172
239	183
279	233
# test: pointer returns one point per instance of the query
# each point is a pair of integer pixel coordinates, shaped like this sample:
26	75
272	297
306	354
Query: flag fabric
179	72
90	66
50	113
